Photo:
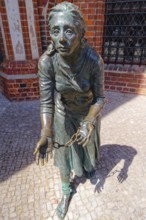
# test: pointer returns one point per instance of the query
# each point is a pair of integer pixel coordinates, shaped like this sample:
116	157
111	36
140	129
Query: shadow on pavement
111	156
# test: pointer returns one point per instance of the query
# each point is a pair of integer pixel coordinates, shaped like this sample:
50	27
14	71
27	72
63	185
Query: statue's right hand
43	150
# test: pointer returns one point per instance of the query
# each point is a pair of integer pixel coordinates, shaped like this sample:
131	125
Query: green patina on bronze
71	96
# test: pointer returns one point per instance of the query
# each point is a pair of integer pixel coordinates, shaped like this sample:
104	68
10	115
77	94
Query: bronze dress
67	94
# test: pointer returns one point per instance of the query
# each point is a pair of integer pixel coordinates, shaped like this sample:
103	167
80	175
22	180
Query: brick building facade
24	36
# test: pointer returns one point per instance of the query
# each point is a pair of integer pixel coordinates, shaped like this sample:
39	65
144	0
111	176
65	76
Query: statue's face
64	34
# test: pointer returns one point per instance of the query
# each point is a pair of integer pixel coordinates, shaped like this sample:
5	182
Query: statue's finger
37	158
79	138
41	159
35	151
86	142
87	138
90	132
82	141
46	157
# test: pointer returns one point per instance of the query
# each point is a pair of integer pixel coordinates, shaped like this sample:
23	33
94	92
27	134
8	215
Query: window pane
125	32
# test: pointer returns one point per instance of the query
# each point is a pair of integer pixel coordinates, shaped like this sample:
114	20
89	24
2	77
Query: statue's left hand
84	133
43	150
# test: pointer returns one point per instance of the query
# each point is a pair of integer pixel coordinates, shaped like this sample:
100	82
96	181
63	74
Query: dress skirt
75	157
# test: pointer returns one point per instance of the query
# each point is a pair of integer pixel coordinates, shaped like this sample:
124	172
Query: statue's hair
71	9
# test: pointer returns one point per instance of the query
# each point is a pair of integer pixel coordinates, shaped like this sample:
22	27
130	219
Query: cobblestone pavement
116	192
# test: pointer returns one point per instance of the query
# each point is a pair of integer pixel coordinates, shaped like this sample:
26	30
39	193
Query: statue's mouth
63	49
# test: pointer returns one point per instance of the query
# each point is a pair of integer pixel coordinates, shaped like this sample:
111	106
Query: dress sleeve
98	82
46	84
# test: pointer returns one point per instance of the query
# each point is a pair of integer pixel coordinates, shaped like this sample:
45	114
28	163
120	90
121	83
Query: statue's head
67	28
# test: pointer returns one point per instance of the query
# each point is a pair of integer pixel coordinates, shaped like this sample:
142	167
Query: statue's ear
84	42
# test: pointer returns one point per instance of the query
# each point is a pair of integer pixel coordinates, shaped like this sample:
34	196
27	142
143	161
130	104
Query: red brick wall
20	88
2	51
25	30
44	31
94	17
6	29
130	79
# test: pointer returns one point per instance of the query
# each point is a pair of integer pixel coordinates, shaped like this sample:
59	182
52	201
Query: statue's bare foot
62	207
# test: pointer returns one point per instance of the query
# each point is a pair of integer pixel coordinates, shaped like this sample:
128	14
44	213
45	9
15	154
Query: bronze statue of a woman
71	99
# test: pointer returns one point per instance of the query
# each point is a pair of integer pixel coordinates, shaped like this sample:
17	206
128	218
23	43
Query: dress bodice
74	88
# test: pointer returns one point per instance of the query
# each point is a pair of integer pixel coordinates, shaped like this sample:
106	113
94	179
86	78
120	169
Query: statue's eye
56	32
69	31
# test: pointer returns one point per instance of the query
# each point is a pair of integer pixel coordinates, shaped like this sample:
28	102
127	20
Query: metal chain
72	140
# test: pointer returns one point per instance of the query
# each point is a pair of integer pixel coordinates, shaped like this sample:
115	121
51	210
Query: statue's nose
62	39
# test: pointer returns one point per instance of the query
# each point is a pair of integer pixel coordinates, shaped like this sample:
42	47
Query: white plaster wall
13	15
3	36
31	27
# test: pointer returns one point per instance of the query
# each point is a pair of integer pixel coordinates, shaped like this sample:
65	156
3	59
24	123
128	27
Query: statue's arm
97	87
44	146
98	91
46	85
